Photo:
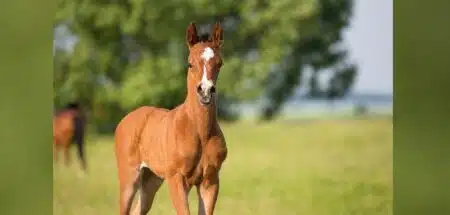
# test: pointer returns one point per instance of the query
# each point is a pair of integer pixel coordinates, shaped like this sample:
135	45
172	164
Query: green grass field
330	167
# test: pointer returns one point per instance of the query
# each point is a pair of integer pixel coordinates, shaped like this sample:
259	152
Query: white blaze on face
207	54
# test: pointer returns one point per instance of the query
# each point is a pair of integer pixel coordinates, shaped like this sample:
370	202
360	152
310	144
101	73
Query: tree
320	51
132	53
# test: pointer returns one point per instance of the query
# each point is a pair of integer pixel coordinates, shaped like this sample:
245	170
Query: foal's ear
217	35
191	35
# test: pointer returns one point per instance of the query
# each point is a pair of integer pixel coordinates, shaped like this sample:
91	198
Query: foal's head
204	62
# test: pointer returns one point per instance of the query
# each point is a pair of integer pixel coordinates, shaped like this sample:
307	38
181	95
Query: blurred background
305	98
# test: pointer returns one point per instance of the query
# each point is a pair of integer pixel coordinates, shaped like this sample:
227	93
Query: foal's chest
205	160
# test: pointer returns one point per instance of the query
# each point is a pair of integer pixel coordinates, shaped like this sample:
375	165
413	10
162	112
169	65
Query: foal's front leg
179	193
207	192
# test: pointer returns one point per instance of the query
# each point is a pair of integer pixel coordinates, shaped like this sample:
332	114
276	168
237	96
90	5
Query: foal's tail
79	137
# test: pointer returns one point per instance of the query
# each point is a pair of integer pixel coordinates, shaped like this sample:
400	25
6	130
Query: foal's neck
202	117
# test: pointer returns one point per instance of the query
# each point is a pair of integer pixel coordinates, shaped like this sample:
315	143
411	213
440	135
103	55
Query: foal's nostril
212	90
199	89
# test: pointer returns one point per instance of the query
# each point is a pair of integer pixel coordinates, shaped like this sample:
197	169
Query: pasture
320	167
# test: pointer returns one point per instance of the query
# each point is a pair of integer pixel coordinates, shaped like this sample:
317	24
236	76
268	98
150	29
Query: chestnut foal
69	127
184	146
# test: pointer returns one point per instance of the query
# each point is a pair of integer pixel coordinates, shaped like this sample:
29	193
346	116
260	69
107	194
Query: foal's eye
189	65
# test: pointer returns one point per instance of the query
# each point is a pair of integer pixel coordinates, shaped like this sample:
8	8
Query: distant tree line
133	53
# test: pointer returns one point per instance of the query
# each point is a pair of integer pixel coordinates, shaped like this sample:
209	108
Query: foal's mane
204	38
70	106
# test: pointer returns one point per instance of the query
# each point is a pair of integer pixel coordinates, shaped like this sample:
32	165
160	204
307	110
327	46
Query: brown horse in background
68	128
184	146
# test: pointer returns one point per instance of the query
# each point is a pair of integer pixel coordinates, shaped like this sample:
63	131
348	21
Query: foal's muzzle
205	93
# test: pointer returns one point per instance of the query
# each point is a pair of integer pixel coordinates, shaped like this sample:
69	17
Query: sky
370	42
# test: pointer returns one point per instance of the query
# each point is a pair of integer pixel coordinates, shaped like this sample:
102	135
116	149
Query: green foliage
321	51
132	53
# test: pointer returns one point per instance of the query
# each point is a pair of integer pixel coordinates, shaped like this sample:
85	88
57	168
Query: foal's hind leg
149	186
55	153
56	149
66	150
127	192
